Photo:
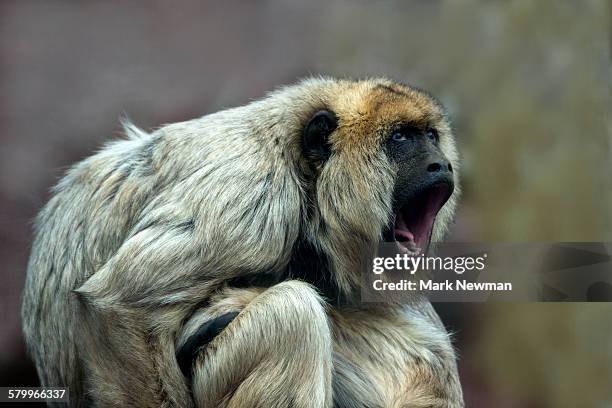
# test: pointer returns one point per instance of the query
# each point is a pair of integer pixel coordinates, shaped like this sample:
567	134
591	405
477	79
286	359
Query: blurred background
527	84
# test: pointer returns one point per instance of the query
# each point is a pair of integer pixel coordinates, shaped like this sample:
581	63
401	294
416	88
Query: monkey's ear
316	134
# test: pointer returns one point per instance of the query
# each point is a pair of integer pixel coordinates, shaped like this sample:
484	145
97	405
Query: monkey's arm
276	352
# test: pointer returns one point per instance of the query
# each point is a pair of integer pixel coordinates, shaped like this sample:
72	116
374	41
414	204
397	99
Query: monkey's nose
440	167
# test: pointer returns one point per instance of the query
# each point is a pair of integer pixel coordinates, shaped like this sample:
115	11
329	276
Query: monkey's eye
432	134
399	136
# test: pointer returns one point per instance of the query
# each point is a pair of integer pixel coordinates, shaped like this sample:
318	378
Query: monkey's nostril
450	167
434	167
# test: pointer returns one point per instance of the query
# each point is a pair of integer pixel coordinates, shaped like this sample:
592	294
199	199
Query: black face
424	183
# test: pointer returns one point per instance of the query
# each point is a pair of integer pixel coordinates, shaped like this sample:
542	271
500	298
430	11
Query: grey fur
137	236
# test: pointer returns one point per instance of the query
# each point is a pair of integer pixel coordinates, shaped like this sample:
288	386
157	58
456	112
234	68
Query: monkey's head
385	164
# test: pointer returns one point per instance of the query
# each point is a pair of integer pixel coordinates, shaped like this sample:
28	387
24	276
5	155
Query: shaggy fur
140	243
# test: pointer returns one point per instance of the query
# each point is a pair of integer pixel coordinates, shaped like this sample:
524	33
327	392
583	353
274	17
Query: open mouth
413	222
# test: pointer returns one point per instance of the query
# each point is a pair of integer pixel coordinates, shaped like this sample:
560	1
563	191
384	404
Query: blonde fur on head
141	234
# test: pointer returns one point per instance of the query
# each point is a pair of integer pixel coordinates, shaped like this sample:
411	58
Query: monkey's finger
187	353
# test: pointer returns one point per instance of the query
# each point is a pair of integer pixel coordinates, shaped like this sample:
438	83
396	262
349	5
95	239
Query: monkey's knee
299	304
281	339
286	314
297	362
281	311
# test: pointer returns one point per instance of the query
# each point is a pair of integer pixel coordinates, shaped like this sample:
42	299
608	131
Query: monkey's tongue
404	236
414	222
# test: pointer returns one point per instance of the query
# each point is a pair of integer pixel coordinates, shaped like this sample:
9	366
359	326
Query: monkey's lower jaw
413	223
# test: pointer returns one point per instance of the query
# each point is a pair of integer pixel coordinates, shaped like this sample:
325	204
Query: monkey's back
184	178
85	221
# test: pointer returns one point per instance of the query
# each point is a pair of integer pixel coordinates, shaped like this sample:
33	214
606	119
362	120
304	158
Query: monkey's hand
188	352
275	352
